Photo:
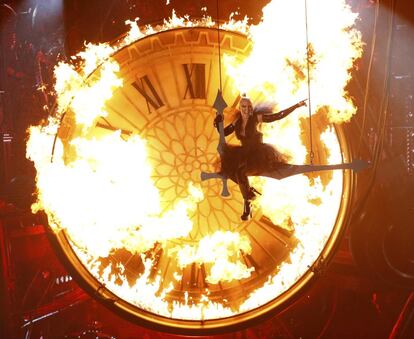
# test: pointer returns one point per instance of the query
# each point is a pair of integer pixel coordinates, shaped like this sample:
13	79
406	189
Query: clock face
170	81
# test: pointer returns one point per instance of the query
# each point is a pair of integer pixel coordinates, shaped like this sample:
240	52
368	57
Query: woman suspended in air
252	157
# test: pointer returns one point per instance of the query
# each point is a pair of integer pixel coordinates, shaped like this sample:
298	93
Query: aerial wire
218	43
311	155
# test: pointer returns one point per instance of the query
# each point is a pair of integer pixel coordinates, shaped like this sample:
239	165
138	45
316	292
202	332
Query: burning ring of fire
134	130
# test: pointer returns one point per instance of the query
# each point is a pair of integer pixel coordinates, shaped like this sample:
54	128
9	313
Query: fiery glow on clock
102	193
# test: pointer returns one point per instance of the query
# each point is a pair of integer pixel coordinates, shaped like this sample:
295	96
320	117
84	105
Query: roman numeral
203	276
249	261
195	74
193	276
112	128
155	254
147	90
198	276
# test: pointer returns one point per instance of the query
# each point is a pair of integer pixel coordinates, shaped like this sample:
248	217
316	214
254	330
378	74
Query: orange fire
217	249
91	188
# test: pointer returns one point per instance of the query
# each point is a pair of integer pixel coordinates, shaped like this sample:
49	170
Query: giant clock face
170	81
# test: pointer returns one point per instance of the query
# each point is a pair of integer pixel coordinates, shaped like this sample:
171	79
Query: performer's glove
301	103
217	120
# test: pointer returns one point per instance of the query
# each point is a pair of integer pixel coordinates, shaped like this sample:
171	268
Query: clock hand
288	170
219	105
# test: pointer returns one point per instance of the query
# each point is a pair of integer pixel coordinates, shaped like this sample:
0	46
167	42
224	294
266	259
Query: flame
106	200
222	251
106	166
312	228
279	56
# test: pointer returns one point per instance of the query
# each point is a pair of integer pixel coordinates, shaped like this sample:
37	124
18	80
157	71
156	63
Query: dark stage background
367	291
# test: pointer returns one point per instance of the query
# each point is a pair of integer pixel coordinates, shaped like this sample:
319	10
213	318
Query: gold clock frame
198	37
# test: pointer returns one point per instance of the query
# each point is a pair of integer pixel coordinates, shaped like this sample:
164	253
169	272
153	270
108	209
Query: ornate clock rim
212	326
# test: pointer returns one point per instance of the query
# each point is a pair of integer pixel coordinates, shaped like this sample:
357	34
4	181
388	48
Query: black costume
255	158
252	157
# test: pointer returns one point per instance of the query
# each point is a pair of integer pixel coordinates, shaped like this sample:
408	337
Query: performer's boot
247	210
253	193
247	192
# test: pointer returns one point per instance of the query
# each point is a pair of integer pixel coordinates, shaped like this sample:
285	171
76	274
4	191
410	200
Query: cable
218	42
385	97
311	155
368	80
381	127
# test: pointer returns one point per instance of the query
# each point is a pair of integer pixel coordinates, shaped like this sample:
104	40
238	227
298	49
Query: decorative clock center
188	146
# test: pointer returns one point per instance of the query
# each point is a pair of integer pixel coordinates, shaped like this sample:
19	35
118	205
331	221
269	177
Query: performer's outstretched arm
281	114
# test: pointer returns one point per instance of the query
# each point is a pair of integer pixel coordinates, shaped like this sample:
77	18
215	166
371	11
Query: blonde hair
246	99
